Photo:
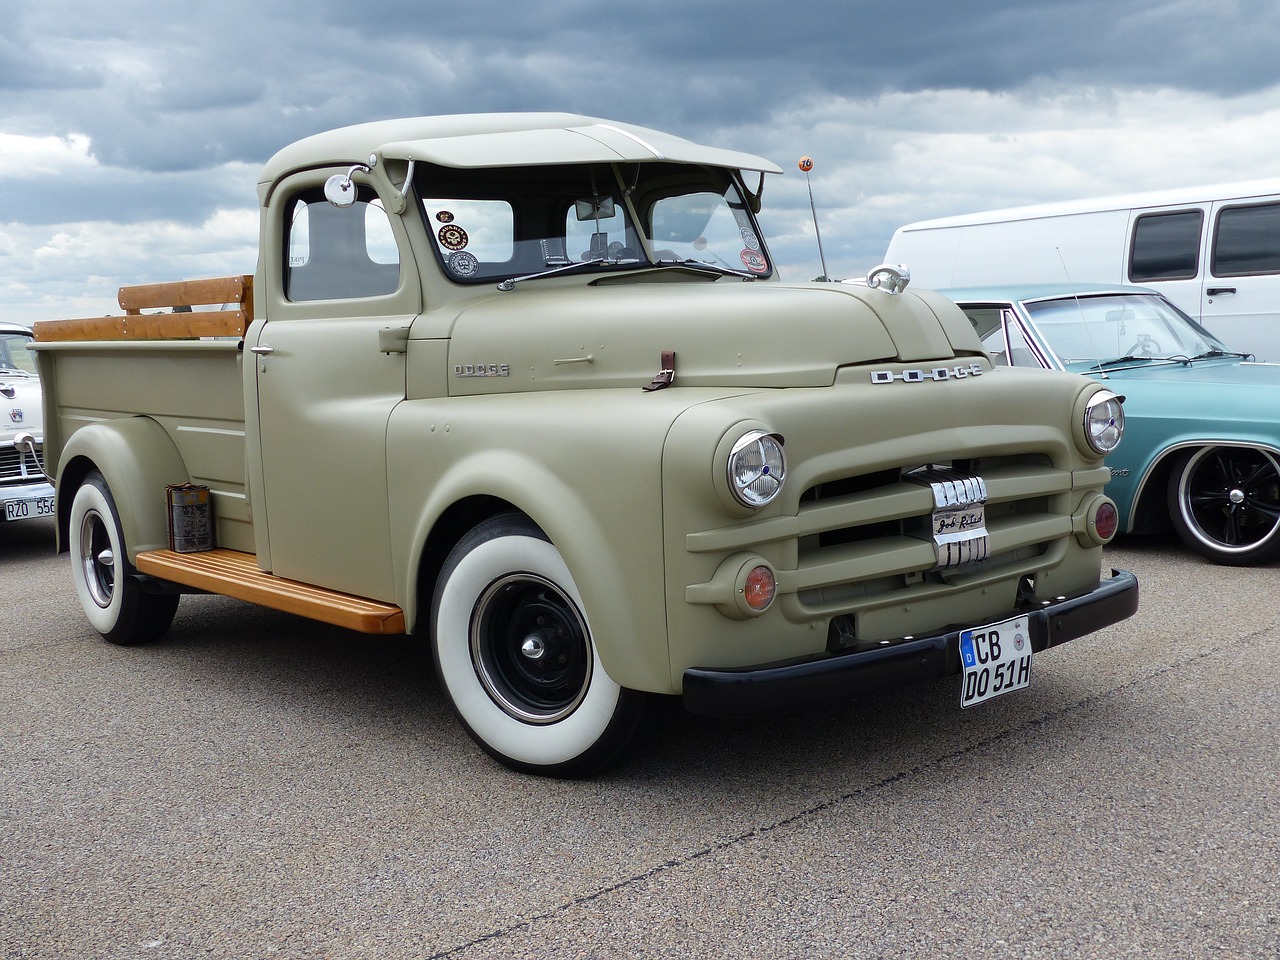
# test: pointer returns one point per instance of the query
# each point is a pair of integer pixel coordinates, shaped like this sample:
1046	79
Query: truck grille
868	535
862	548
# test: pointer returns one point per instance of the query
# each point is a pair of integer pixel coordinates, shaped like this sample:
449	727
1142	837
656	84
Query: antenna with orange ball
806	164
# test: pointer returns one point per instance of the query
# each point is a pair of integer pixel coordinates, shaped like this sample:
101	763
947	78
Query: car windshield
528	222
1088	331
14	354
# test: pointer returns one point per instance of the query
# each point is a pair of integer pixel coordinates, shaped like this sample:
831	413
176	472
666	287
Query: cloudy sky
131	131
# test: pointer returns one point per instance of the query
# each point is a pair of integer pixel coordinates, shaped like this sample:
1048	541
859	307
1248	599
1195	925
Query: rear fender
138	460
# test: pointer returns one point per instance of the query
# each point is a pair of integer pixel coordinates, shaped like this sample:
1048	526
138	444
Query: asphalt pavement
257	785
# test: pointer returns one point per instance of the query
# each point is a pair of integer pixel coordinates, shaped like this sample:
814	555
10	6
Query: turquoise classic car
1201	450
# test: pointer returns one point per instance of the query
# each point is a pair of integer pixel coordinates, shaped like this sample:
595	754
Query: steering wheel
1145	346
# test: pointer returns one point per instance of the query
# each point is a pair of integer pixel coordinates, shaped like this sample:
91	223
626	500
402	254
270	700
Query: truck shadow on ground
382	689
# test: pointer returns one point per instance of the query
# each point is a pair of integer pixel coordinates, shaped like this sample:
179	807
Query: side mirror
339	190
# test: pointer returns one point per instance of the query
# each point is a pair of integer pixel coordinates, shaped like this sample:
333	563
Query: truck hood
547	334
21	404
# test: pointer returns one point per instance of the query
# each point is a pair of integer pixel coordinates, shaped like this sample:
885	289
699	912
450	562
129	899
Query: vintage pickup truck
528	386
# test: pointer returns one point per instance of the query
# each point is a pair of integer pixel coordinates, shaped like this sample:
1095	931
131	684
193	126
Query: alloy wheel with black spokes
1225	503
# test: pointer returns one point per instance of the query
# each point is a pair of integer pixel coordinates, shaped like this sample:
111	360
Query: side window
1020	352
986	324
1247	241
1166	246
990	324
340	253
14	354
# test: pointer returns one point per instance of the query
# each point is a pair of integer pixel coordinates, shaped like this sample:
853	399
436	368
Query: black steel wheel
531	648
1225	503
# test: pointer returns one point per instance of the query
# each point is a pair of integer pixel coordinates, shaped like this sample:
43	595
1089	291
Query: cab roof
502	140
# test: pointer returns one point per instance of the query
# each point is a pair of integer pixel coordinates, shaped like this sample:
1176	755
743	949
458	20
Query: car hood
21	405
724	333
1196	390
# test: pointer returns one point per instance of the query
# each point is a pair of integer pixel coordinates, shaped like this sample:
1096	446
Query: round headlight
1104	421
757	468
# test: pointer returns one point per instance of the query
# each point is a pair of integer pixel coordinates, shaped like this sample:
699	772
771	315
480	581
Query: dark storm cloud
166	87
130	132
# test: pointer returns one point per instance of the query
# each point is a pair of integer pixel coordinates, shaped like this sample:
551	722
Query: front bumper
16	492
793	684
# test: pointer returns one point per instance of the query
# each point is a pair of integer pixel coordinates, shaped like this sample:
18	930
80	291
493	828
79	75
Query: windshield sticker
444	216
463	264
453	237
754	261
749	238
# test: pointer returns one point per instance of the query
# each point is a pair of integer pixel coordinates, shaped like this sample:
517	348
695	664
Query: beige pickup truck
528	386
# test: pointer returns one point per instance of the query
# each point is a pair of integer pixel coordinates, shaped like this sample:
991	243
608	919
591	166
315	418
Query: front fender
627	611
138	459
595	491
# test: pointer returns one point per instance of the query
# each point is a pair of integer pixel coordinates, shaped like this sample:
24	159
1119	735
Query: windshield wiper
1215	352
1104	364
1131	358
706	265
510	283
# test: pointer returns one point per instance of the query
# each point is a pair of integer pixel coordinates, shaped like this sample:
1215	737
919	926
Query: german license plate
996	659
28	509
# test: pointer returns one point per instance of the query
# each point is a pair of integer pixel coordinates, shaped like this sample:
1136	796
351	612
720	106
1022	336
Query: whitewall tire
113	601
514	651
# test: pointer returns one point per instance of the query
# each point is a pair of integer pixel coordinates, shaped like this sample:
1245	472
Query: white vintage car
24	491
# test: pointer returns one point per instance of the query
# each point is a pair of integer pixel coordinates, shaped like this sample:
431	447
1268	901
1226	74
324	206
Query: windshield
14	354
1087	331
494	224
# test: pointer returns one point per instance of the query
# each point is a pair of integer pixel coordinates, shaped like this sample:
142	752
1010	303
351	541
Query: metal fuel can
190	517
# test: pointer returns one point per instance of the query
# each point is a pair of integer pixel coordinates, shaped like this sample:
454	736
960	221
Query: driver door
325	389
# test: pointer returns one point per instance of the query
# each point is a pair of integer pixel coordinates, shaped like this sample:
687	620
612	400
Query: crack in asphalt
844	798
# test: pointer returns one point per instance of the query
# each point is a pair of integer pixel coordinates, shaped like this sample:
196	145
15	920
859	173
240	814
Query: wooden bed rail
134	325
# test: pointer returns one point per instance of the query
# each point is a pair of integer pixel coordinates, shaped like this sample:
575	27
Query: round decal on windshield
463	264
452	237
754	261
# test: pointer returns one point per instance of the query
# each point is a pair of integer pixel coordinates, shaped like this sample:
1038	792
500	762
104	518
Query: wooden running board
232	573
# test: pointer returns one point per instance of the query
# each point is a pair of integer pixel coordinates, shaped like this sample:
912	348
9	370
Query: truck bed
181	369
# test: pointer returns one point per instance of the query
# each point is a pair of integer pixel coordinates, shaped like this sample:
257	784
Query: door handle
393	340
1220	291
262	350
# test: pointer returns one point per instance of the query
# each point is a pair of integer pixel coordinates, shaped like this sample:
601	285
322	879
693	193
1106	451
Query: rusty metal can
190	517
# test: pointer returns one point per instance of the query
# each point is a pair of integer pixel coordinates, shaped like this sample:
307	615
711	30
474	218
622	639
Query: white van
1214	251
